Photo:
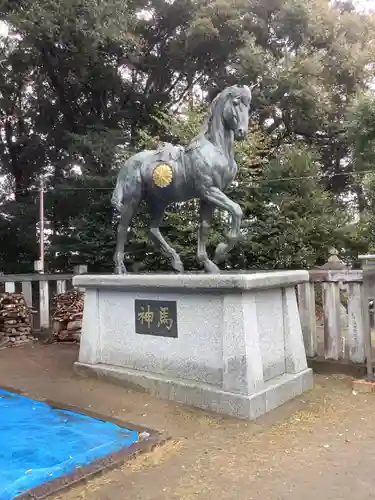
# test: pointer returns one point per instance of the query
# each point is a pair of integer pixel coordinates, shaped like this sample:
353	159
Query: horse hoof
121	269
211	268
220	253
178	266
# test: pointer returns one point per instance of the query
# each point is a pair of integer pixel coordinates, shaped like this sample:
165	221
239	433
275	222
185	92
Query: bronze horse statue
202	170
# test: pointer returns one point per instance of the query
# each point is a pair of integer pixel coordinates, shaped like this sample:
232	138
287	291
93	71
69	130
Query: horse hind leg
127	213
157	214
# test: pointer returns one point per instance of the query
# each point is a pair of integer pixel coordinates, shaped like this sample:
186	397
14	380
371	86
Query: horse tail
128	185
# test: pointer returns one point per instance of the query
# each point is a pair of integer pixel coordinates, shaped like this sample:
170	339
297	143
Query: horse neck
221	137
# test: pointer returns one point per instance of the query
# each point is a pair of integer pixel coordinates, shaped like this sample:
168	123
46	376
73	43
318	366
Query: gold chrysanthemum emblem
162	175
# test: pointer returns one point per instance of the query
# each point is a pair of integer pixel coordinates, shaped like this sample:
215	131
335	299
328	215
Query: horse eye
236	102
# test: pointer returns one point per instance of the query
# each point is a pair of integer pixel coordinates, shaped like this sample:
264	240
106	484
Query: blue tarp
39	443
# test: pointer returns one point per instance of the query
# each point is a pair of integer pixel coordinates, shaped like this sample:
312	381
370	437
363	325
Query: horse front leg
157	215
216	197
206	215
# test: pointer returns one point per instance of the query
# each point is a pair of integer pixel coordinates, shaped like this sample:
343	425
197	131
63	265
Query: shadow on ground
320	445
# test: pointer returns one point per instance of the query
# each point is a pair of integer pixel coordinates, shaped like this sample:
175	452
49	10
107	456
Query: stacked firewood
15	320
67	316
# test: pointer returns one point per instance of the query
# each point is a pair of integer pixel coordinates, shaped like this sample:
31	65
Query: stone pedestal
231	343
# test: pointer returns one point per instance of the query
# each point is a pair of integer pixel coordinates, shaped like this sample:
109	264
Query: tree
292	219
361	141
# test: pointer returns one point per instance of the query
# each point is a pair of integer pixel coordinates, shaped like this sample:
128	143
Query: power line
256	181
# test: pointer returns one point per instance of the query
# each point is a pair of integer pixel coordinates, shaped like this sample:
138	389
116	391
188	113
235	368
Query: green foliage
17	229
361	132
294	219
366	225
361	139
83	223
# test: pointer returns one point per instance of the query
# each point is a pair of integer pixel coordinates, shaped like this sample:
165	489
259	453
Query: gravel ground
320	445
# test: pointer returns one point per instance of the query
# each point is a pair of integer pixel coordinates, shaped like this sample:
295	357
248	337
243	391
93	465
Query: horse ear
257	83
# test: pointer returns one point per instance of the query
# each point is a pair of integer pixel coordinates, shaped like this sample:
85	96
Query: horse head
237	100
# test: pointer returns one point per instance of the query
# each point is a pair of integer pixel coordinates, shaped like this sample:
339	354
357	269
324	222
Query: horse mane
216	107
218	101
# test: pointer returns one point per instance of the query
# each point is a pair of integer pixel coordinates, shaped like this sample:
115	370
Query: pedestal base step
208	397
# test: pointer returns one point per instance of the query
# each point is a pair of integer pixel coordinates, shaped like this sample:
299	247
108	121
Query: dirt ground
321	445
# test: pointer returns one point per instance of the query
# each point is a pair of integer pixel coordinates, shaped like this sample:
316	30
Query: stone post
80	269
335	314
44	311
368	267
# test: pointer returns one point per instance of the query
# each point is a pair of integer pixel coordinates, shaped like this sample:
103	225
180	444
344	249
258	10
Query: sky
370	4
3	29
